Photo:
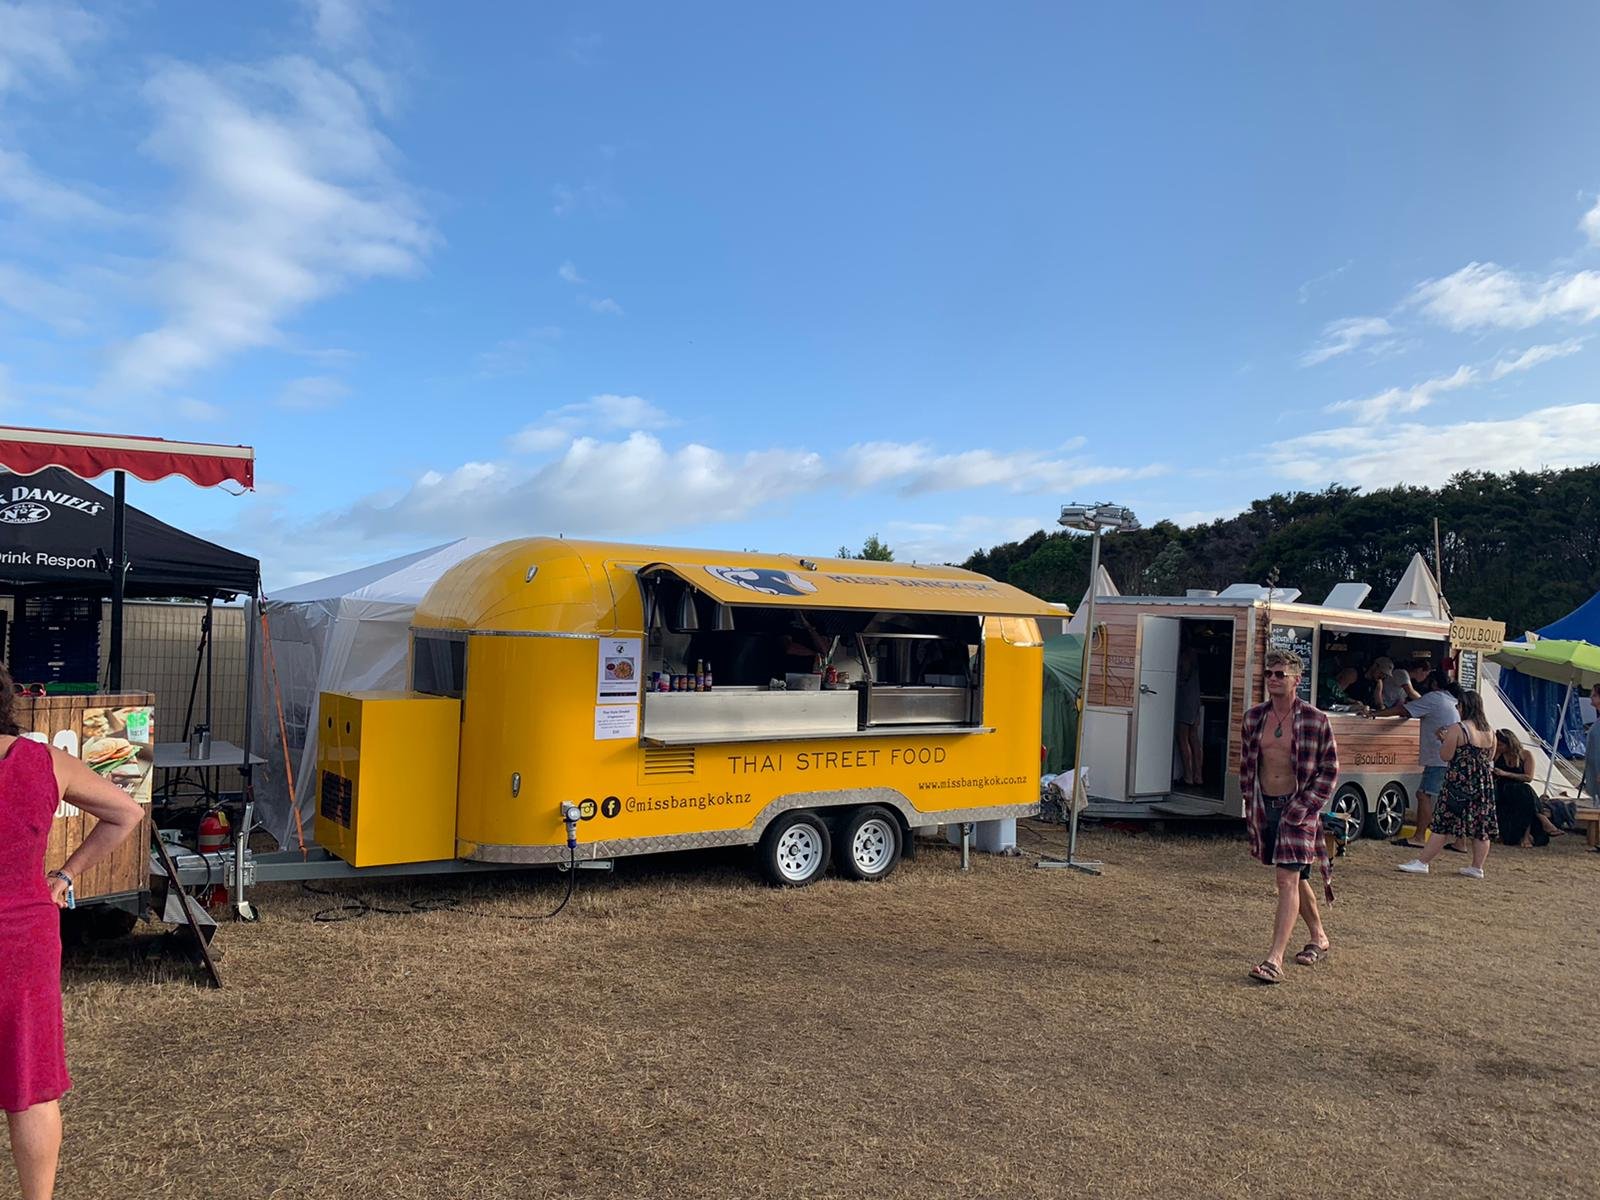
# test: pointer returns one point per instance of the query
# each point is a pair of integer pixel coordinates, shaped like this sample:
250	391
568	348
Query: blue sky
770	277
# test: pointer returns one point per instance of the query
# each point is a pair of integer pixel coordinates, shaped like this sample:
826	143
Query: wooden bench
1589	818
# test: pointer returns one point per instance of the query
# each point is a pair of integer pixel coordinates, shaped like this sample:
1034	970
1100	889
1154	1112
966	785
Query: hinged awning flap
90	455
909	589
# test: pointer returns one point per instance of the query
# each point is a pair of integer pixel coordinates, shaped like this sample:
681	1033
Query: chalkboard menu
1299	639
1467	670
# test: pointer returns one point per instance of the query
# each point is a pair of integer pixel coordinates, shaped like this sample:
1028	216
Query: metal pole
1078	789
119	571
210	642
1555	742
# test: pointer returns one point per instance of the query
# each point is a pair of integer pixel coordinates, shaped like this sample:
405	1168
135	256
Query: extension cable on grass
351	908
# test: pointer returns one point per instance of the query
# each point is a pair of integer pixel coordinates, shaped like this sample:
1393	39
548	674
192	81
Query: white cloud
1590	224
635	486
313	392
1397	401
25	188
569	273
914	468
1311	286
38	41
1487	296
955	541
606	413
59	307
1533	356
1342	336
1383	456
341	24
1394	401
605	306
288	195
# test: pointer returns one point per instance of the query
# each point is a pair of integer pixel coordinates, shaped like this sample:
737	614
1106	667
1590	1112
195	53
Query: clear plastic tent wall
346	633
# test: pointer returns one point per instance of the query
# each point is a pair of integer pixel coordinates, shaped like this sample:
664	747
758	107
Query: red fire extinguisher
214	836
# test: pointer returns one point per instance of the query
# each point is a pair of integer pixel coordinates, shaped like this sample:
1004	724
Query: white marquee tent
345	633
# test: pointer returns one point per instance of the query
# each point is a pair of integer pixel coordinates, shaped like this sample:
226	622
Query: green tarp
1063	672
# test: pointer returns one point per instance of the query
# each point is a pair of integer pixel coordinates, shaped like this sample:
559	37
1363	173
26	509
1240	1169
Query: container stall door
1154	725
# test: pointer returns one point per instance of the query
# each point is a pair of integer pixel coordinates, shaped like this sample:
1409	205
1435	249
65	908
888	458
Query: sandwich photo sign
116	743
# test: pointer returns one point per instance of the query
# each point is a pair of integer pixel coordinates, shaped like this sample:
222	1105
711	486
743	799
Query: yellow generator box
386	777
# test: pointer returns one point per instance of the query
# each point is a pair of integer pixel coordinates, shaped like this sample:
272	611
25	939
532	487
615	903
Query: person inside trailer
1337	690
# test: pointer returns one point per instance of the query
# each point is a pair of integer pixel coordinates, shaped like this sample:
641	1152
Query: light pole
1091	518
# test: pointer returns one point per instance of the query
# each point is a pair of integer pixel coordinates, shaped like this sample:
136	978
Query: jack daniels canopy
55	535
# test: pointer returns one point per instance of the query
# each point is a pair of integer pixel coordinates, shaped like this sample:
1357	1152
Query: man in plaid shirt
1287	768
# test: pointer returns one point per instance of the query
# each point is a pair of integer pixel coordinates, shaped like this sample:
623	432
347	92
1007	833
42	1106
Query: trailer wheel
869	844
794	849
1388	811
1350	803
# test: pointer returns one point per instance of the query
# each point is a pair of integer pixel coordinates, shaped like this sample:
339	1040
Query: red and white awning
89	455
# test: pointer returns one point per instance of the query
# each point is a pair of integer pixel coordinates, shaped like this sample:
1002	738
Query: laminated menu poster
619	670
613	721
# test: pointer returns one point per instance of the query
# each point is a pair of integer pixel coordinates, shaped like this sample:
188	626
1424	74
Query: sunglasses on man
1280	674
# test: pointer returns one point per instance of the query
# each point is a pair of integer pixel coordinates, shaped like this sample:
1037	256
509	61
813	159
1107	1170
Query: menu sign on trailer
1298	639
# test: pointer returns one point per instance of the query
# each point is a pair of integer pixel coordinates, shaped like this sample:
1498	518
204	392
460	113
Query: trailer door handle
1146	690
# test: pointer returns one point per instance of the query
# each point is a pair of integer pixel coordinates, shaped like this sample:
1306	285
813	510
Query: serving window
832	670
1347	659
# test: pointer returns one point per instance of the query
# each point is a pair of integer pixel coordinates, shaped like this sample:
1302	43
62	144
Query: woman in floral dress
1466	802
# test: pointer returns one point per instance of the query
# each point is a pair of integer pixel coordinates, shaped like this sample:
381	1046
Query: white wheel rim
799	851
872	845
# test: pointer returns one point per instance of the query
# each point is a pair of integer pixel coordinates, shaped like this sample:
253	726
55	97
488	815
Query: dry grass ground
682	1031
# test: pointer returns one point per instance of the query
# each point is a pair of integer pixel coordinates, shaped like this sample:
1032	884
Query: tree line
1522	547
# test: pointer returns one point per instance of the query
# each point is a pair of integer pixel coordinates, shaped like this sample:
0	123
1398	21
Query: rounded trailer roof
555	585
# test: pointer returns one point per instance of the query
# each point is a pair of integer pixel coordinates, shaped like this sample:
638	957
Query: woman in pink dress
34	779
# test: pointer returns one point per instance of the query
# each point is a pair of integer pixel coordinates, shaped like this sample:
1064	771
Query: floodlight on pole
1090	519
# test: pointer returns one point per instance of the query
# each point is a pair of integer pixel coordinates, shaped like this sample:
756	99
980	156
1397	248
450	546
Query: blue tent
1538	700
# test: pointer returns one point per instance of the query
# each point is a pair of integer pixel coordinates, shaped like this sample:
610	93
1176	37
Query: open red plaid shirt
1316	759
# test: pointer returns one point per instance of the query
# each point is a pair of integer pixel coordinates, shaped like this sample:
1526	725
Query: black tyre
869	844
1387	813
1350	802
794	850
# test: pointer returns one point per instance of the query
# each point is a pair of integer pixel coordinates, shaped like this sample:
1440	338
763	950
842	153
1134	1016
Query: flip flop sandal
1454	849
1265	972
1408	844
1312	954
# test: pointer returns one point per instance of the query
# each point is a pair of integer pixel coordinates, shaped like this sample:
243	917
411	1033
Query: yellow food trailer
575	701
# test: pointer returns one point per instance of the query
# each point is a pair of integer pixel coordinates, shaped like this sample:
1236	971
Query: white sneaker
1471	872
1415	867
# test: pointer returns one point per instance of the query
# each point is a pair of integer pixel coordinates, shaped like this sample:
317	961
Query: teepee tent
1417	594
1102	586
348	632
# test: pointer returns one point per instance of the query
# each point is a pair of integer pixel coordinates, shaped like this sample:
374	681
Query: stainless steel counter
738	713
917	705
